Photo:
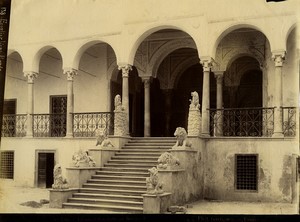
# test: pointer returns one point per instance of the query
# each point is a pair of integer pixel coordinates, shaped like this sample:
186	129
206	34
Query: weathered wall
25	154
275	172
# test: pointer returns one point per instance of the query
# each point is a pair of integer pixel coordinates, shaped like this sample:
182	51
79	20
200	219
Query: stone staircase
119	185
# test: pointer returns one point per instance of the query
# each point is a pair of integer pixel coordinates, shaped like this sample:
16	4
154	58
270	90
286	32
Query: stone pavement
11	197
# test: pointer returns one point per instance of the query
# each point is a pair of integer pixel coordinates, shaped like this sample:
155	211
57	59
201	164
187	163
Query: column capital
206	62
219	76
278	57
71	73
30	76
146	82
125	69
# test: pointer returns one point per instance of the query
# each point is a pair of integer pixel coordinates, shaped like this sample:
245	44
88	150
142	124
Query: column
70	72
168	110
205	97
219	113
125	90
30	101
278	58
147	123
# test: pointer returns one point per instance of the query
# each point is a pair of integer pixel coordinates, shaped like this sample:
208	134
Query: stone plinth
60	196
78	175
194	122
101	156
120	127
156	203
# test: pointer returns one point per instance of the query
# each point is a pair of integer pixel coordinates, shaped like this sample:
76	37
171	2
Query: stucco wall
275	168
25	154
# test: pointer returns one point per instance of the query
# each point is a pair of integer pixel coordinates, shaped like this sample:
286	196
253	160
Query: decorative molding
71	73
125	70
30	76
278	57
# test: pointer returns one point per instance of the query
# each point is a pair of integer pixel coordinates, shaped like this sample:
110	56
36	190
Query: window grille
7	164
246	172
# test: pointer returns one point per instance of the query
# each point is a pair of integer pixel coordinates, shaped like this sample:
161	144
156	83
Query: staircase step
125	169
103	207
131	153
146	174
114	186
148	145
119	177
116	181
108	196
136	161
112	191
130	158
142	150
129	165
105	201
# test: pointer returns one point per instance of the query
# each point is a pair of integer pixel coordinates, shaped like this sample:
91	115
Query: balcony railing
289	121
49	125
87	124
242	122
14	125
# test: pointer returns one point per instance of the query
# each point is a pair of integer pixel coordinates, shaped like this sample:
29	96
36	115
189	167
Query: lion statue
167	160
181	136
82	159
59	181
153	185
102	139
194	101
118	103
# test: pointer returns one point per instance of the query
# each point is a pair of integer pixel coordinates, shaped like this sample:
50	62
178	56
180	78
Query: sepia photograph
127	108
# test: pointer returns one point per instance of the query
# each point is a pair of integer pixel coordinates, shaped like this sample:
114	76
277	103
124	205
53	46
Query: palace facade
67	61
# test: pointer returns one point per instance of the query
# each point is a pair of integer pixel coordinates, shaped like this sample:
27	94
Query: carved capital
219	76
206	64
278	57
71	73
125	70
31	76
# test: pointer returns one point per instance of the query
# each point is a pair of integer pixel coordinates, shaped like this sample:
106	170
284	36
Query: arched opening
164	56
50	97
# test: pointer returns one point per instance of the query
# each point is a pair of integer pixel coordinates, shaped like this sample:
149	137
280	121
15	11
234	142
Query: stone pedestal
156	203
101	156
194	122
120	125
76	176
58	197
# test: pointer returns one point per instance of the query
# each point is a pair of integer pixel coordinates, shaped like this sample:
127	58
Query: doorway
45	165
9	112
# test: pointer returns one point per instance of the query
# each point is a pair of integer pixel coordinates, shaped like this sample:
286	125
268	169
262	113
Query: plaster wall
25	154
276	177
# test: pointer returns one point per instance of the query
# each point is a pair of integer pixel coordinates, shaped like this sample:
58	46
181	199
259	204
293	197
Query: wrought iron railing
49	125
14	125
289	121
87	124
242	122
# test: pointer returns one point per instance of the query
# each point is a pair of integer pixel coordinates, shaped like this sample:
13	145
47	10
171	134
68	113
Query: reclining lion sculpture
181	136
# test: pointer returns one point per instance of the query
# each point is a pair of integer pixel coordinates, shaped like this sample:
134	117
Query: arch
38	55
289	31
238	55
166	49
11	59
231	28
147	32
83	48
180	69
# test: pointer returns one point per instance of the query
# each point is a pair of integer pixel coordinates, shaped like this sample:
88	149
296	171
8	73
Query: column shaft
125	91
205	98
147	123
219	113
70	100
278	58
30	101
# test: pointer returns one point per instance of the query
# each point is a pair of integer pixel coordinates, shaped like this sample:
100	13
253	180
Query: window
246	172
7	164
